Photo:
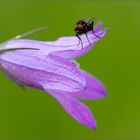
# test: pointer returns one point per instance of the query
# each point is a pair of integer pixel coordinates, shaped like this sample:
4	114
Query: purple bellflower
49	66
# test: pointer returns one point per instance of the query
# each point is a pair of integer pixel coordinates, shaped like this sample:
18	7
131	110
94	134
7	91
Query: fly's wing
89	20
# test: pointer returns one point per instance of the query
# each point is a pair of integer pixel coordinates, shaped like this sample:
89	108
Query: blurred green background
33	114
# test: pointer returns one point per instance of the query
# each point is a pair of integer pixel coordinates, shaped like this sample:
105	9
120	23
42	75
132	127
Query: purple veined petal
13	78
94	88
53	72
66	47
75	109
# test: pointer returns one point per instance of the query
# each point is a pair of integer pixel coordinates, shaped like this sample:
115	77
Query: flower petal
76	109
13	78
94	88
36	70
98	27
66	47
70	46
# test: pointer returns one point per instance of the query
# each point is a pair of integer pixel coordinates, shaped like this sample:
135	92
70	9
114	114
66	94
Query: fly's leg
86	31
88	39
93	30
80	41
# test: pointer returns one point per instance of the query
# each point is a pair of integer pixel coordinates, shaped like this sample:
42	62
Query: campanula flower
49	66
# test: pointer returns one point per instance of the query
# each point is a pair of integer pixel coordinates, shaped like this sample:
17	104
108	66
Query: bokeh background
33	114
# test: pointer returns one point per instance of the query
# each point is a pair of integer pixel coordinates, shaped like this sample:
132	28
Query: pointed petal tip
105	30
103	93
100	95
91	125
94	128
101	33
